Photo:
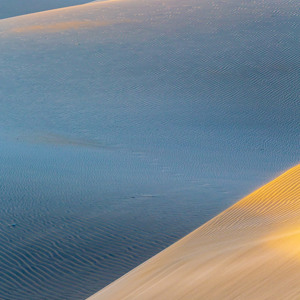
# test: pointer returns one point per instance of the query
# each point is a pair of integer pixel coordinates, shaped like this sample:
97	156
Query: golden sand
250	251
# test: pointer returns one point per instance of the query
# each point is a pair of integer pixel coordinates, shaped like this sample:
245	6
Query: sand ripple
250	251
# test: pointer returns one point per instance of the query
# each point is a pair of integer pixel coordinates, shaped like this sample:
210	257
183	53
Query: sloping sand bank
250	251
12	8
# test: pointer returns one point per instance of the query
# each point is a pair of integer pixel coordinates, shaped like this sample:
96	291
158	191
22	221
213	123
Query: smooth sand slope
250	251
12	8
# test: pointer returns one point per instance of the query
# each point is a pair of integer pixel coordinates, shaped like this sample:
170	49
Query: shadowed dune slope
250	251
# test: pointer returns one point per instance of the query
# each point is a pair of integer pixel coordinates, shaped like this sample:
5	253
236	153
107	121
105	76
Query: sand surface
250	251
12	8
119	119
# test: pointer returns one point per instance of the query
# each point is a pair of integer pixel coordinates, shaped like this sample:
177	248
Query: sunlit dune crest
61	26
69	7
250	251
48	20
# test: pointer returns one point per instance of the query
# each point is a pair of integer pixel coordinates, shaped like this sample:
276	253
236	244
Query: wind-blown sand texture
250	251
121	118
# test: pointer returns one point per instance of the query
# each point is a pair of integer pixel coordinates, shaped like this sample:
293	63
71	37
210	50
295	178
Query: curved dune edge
61	19
59	11
250	251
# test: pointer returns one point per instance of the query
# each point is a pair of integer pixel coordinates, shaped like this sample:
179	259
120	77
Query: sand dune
250	251
12	8
119	119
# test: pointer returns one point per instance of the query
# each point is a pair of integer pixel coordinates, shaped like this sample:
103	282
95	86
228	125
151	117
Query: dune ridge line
59	10
249	251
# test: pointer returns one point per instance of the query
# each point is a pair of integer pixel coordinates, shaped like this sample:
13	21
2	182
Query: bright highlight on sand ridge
250	251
